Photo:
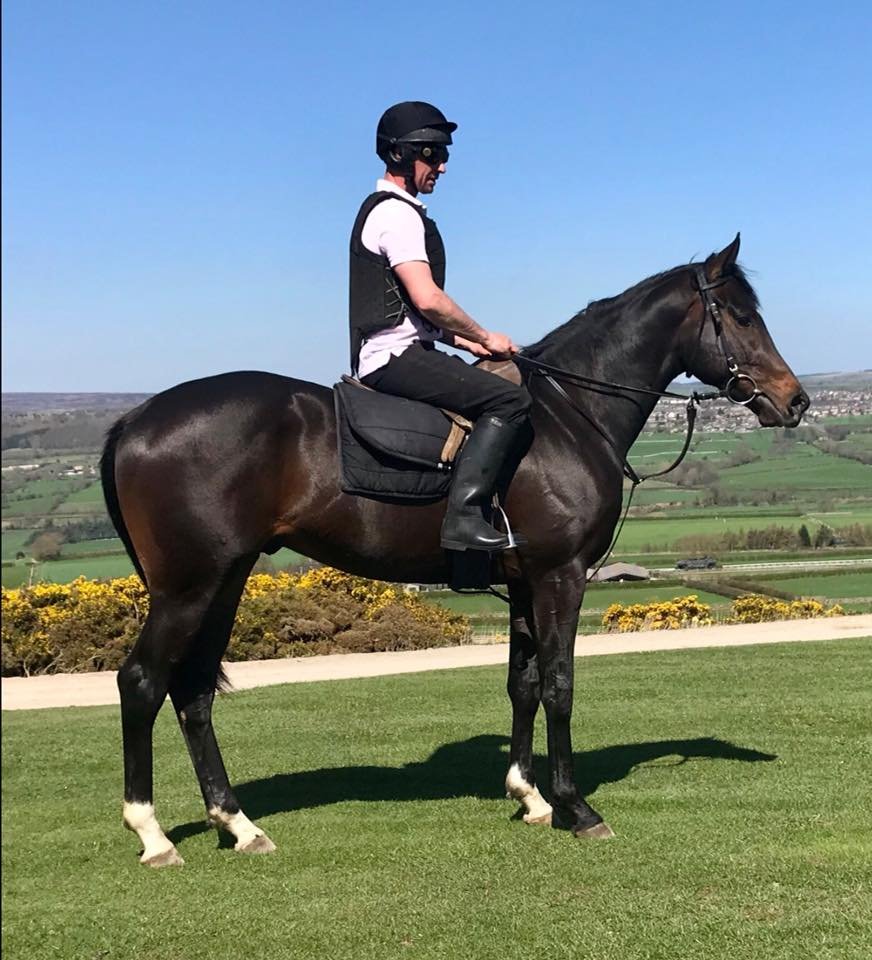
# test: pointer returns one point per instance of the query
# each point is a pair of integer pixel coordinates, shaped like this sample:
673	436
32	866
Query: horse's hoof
545	818
260	844
599	831
168	858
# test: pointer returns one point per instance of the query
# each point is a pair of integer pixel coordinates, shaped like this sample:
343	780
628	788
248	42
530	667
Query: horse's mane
601	313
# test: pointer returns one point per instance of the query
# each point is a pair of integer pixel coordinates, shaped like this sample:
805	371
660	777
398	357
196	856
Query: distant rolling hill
18	403
23	403
811	382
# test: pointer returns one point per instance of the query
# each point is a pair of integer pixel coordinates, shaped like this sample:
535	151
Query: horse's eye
744	321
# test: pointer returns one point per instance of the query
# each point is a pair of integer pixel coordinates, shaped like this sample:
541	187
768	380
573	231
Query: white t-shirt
395	231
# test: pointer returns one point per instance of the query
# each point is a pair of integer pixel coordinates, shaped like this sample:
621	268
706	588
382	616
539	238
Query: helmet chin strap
405	167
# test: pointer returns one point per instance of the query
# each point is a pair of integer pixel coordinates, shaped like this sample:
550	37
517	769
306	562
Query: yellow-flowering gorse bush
662	615
759	609
91	625
689	612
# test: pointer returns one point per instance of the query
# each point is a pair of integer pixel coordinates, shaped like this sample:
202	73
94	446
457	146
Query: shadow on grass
469	768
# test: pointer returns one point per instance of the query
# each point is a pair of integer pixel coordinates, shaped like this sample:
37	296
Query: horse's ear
718	263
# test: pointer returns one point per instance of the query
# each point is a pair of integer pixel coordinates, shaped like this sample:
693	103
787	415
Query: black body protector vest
377	297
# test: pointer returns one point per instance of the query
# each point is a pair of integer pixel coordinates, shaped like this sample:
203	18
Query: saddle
395	449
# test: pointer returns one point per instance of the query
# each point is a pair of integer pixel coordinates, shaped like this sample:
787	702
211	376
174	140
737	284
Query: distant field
661	534
286	558
92	546
116	565
63	571
816	484
663	494
596	598
846	585
805	469
37	506
13	542
714	444
45	486
89	500
851	585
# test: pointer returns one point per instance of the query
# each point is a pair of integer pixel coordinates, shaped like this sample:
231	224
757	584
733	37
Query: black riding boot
473	485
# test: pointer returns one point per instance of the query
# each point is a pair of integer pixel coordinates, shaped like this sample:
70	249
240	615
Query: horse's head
725	343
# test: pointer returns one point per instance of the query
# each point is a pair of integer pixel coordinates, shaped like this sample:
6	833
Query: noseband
712	309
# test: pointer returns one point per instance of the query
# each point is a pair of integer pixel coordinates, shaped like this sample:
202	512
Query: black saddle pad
389	447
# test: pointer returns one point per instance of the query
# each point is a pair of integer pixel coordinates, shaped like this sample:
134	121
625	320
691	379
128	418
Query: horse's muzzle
797	407
771	414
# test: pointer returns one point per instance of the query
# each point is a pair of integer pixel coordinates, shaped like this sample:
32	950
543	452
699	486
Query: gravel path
91	689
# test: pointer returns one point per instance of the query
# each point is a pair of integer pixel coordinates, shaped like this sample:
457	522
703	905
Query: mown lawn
737	781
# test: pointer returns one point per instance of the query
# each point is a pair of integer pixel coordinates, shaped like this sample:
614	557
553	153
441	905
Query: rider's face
426	174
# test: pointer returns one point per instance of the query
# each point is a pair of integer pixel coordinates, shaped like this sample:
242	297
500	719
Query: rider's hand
477	349
498	344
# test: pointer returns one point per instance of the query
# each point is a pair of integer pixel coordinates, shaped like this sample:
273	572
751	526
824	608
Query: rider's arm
435	304
439	308
455	340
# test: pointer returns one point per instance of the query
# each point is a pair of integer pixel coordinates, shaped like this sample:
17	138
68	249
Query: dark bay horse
202	478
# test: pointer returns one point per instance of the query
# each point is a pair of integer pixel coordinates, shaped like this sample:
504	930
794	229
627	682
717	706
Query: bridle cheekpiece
711	308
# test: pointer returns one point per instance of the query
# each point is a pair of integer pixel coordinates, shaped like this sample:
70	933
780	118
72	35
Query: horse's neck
629	352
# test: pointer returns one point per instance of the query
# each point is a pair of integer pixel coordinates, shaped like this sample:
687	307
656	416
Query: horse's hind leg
143	681
524	692
192	689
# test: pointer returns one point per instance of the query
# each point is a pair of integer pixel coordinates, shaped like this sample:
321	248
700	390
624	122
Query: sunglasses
433	154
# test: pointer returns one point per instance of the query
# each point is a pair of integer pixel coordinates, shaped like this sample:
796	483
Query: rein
551	374
711	309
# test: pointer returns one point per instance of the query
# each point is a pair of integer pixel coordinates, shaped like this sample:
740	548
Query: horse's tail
110	492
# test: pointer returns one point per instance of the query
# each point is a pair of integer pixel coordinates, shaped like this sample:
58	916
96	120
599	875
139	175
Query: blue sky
180	179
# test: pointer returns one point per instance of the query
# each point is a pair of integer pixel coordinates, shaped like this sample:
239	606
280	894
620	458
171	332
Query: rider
398	309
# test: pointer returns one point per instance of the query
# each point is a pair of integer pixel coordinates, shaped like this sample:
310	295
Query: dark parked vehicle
697	563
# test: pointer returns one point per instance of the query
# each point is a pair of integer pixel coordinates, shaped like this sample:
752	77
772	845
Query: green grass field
89	500
596	598
662	533
63	571
843	586
13	542
805	469
80	547
45	486
32	507
823	489
736	781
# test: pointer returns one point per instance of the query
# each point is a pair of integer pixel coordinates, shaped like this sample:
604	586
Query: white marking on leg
140	818
237	824
537	807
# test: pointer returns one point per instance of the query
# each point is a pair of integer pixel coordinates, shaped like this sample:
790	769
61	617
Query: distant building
621	571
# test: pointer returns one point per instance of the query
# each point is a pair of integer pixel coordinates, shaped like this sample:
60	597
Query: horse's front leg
557	599
524	692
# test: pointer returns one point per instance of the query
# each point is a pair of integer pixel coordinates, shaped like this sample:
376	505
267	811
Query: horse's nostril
800	402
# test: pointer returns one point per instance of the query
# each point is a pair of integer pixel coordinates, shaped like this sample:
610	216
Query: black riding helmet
407	128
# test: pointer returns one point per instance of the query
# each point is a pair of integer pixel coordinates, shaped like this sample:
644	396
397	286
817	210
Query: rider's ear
719	263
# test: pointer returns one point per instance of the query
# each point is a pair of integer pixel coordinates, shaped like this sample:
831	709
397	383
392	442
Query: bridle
711	310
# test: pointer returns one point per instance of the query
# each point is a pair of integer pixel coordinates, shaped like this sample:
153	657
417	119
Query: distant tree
823	538
47	546
804	536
